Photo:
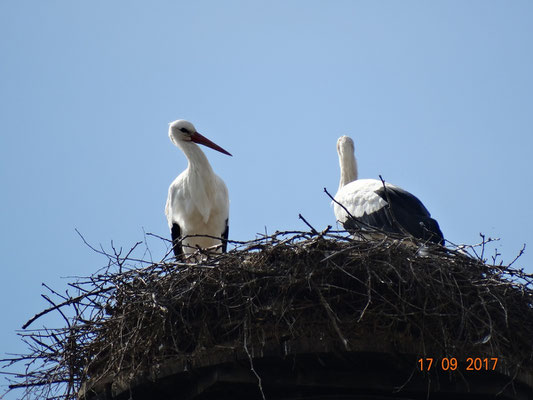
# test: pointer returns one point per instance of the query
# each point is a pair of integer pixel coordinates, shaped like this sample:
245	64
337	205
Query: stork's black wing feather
410	214
398	197
404	213
175	231
225	236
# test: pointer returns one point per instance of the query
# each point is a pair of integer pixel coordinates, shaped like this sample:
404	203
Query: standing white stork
197	202
374	205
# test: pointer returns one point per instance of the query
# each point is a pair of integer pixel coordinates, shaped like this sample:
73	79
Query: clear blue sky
436	95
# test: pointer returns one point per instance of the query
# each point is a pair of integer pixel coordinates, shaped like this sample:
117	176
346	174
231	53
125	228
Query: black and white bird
373	204
197	202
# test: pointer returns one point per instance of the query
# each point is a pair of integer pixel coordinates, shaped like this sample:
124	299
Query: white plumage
198	202
375	205
366	201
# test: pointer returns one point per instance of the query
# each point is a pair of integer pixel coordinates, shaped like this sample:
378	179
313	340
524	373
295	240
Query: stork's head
182	131
345	146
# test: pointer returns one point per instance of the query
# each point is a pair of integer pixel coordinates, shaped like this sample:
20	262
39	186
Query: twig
65	303
259	380
313	230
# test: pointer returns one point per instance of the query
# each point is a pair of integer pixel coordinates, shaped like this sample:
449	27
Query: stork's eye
184	130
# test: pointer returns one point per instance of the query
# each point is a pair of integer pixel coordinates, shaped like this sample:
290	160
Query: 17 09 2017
452	364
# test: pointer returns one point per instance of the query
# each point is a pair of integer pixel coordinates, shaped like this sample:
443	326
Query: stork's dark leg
225	236
176	235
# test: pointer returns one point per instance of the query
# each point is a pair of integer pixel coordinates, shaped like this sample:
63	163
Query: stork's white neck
348	166
200	177
197	160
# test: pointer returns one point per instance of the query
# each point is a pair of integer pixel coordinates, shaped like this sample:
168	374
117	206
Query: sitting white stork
197	202
374	204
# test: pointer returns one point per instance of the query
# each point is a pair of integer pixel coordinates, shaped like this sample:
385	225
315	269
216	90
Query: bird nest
309	288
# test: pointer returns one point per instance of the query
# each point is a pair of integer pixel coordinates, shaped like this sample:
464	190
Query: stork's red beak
200	139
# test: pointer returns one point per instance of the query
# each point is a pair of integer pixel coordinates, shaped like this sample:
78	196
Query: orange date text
452	364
